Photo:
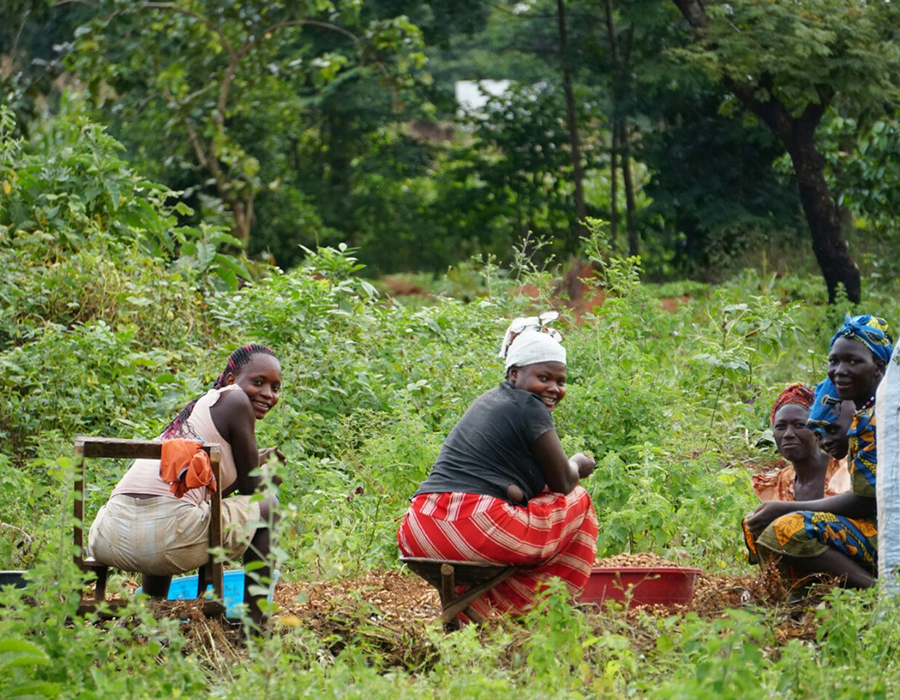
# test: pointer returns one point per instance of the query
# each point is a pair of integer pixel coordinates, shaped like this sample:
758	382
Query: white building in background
473	95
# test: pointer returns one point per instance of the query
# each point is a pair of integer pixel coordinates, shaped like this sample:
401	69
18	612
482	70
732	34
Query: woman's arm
561	473
847	504
233	417
264	454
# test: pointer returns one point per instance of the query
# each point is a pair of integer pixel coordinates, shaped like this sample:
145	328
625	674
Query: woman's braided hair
236	361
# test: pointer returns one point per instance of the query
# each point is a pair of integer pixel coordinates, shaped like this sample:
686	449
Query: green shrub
109	323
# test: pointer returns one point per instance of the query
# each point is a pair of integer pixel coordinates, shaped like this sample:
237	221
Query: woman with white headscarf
502	490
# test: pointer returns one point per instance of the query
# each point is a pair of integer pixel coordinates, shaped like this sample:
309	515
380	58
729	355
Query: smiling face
833	437
260	379
794	440
854	370
547	380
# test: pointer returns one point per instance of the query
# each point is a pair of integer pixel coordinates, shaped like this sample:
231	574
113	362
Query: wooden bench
116	448
445	576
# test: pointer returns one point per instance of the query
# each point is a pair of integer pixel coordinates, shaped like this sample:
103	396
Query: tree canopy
288	125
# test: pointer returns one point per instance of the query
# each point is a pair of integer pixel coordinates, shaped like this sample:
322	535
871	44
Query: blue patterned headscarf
825	408
871	331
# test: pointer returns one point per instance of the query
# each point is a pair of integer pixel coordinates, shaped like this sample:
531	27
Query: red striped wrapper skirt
555	535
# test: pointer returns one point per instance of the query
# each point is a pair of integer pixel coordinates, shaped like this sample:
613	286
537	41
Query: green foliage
864	168
16	653
44	656
821	45
85	237
89	302
104	334
723	658
708	224
290	125
227	72
74	187
556	645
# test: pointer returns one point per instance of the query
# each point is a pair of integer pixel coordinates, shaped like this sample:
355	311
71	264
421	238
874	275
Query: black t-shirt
490	447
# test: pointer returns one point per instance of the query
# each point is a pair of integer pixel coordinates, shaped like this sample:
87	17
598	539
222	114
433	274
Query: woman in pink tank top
145	528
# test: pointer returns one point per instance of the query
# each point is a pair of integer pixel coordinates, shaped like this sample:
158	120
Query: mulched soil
400	605
389	612
386	610
387	596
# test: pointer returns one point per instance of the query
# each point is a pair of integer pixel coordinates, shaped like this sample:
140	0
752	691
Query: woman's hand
584	463
264	456
767	513
265	453
560	472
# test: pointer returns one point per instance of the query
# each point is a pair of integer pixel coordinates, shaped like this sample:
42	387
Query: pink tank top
143	476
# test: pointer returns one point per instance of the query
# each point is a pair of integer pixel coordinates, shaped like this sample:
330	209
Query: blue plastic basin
185	588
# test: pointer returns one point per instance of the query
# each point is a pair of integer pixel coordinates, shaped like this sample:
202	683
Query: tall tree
571	113
621	147
788	62
224	62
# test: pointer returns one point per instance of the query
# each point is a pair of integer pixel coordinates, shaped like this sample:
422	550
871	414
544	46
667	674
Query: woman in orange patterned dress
838	536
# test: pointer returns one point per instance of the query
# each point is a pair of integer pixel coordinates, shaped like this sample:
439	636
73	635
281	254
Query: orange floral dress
809	533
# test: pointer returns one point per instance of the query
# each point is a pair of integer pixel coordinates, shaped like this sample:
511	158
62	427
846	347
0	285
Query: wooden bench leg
452	604
454	607
206	576
448	594
102	573
475	617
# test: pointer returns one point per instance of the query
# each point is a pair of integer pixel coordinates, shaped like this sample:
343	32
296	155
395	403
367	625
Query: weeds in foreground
105	333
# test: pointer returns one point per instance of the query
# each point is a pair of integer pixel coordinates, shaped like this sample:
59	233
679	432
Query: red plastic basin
641	585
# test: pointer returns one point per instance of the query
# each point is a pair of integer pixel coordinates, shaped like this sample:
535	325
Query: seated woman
811	473
144	527
502	490
830	419
838	535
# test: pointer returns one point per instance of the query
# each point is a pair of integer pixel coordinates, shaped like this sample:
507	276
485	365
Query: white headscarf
529	341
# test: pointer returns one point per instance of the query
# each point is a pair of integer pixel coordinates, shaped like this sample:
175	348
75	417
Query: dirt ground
401	604
398	599
389	612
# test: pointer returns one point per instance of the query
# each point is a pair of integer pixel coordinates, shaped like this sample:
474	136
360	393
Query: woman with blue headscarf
830	418
838	536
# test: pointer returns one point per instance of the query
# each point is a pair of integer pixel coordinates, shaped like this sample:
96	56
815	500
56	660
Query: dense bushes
106	332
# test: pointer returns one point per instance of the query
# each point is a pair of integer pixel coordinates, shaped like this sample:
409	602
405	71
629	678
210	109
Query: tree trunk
572	118
797	133
614	187
243	219
824	221
613	39
634	247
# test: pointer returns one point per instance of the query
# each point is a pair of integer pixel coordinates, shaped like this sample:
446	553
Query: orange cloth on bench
184	466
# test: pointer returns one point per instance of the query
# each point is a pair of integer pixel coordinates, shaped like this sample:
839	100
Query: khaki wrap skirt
163	536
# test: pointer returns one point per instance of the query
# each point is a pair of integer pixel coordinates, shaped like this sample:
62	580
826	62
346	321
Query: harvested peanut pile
713	594
387	608
393	597
642	559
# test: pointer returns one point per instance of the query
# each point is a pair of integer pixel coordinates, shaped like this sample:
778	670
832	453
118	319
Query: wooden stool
446	575
115	448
